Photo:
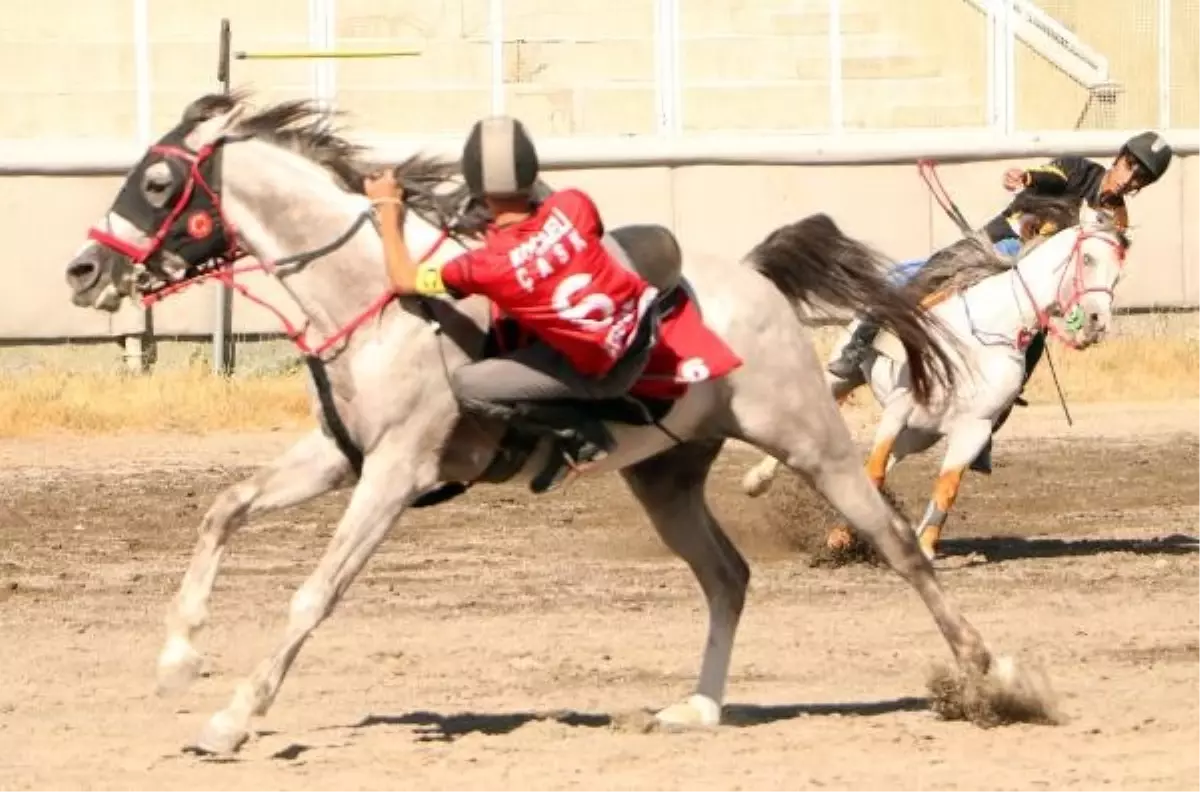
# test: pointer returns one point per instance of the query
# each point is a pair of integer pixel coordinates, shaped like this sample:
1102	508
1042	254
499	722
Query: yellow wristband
429	279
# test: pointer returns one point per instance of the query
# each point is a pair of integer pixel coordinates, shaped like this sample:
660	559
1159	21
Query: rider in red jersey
544	265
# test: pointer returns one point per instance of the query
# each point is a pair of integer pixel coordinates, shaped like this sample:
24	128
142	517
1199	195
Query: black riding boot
846	366
578	439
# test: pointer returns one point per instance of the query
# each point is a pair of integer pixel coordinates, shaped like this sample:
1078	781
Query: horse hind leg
759	478
817	445
311	467
879	462
670	487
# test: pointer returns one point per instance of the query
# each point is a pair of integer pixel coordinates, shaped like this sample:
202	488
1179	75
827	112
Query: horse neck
1039	273
284	205
1015	298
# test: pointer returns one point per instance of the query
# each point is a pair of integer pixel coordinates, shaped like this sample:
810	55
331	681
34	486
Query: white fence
119	70
636	99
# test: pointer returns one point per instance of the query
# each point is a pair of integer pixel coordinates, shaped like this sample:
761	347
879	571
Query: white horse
279	184
1062	284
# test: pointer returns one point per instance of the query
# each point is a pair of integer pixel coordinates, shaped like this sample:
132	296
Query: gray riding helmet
499	159
1151	150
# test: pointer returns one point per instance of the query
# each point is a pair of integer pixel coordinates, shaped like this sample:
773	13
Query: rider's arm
401	269
404	274
430	278
1050	178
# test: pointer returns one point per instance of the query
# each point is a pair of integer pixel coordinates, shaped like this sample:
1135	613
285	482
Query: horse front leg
390	481
311	467
963	444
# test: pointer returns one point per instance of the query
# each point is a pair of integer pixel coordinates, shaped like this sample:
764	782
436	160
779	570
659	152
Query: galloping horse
281	185
1061	282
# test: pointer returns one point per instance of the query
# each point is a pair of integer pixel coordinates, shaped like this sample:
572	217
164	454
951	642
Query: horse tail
813	259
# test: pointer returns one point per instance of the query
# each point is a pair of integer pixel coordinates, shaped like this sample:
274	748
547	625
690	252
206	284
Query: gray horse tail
813	260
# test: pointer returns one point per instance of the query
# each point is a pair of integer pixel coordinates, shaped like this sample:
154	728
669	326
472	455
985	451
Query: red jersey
551	274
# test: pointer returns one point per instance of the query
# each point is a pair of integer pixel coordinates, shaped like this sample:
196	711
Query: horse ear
235	115
207	107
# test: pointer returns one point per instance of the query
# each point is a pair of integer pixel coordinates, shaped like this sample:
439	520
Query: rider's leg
847	363
860	340
527	387
1009	246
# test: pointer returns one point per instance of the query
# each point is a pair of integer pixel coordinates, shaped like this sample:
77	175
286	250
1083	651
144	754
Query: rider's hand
1014	179
381	188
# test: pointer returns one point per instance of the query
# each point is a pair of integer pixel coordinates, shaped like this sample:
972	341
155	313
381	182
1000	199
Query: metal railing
811	66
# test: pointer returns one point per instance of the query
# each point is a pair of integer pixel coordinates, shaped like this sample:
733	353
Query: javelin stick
320	54
928	170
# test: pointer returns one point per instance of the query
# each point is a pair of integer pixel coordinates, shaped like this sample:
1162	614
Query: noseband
196	229
1071	309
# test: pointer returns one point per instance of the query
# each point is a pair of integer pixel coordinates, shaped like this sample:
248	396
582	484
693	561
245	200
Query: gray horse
281	185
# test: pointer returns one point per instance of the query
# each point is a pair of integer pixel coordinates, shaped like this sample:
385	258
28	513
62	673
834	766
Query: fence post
223	349
138	349
836	95
496	39
667	88
1164	64
1009	32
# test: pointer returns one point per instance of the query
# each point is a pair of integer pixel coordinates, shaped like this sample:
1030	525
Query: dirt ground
504	641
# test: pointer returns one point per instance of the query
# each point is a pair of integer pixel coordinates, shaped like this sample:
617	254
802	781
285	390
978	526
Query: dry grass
1163	368
48	400
1121	369
188	400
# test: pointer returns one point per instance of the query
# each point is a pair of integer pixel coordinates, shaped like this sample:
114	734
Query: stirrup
562	466
847	363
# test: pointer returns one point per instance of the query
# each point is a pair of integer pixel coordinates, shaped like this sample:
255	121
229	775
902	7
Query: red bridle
194	160
1079	289
222	268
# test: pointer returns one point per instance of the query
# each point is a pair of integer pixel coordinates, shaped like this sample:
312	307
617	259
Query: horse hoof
697	710
839	539
755	483
178	666
928	540
222	735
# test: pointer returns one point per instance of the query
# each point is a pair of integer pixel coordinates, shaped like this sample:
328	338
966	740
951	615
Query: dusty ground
501	642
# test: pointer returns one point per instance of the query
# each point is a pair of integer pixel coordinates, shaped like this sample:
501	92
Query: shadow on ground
445	728
995	549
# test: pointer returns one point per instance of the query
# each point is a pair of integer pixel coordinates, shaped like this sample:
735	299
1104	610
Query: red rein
227	275
225	271
1080	289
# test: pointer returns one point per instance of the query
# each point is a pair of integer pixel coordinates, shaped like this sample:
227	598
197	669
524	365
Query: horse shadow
997	549
437	727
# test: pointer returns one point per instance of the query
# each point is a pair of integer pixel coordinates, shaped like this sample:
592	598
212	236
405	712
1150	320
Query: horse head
1074	297
279	184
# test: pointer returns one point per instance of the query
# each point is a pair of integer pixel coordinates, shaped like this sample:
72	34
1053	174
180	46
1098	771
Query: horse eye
1088	260
157	179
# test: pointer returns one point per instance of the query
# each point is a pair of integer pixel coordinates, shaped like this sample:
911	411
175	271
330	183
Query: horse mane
958	266
305	128
964	263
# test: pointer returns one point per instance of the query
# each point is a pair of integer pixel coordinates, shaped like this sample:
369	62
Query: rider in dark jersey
1142	161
